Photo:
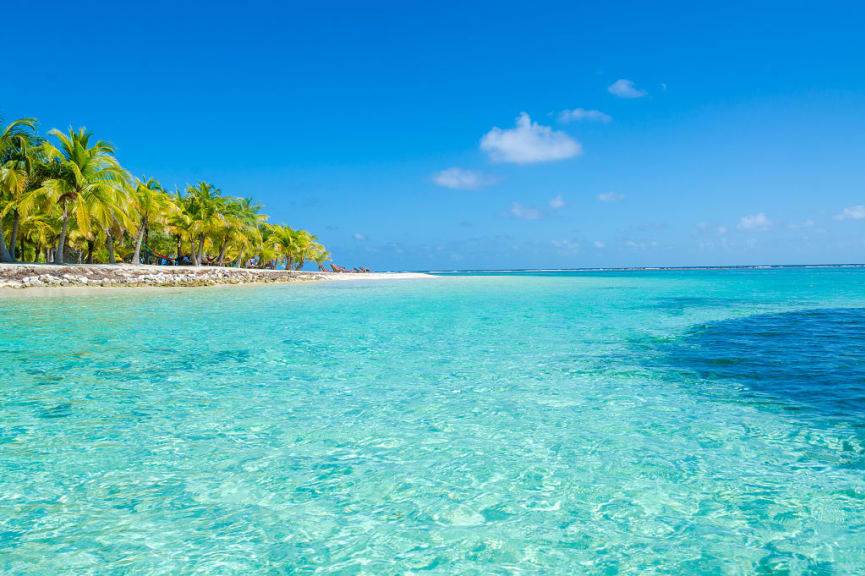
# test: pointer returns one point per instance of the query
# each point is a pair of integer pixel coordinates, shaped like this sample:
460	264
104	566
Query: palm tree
109	210
303	247
320	256
202	205
250	218
282	239
228	225
178	222
88	178
15	138
11	185
39	231
20	178
294	245
152	205
267	248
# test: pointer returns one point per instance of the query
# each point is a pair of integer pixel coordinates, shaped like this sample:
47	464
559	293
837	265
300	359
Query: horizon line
646	268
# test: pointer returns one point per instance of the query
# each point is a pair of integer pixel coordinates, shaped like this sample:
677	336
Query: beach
50	279
432	288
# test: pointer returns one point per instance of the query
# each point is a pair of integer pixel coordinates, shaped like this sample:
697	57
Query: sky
480	135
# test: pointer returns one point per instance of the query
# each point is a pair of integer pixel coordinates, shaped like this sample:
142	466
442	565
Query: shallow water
705	422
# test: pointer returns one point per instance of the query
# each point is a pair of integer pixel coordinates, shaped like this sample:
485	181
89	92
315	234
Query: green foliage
68	198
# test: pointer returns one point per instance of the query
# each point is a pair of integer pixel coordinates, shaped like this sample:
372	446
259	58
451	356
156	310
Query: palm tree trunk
90	244
136	257
4	252
179	248
109	243
222	250
200	253
240	258
288	262
58	257
148	255
16	222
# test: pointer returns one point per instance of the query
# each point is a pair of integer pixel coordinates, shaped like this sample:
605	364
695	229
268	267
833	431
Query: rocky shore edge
126	275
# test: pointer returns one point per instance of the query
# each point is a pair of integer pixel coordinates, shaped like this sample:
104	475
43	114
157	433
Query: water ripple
544	425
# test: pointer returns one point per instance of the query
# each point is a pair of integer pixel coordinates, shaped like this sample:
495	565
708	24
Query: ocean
651	422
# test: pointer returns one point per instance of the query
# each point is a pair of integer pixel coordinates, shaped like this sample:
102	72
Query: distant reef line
653	268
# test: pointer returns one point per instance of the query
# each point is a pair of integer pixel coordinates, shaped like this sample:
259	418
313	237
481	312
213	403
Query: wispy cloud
599	244
358	236
756	222
610	197
567	246
528	143
852	213
525	212
707	227
798	225
583	115
557	203
459	179
641	245
624	88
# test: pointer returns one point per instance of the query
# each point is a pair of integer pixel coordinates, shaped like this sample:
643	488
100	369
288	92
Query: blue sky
484	134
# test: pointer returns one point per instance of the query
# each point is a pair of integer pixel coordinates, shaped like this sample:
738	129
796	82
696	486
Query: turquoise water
611	423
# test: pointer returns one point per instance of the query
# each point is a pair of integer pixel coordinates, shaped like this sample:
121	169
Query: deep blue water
812	358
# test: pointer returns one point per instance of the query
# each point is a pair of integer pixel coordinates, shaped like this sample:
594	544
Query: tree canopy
66	198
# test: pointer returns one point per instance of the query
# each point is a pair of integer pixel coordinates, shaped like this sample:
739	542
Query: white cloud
852	213
583	115
758	222
526	212
642	245
567	246
459	179
358	236
610	197
599	244
625	89
557	202
528	143
797	225
707	227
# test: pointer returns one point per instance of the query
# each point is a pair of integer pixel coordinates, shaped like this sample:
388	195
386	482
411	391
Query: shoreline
22	279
